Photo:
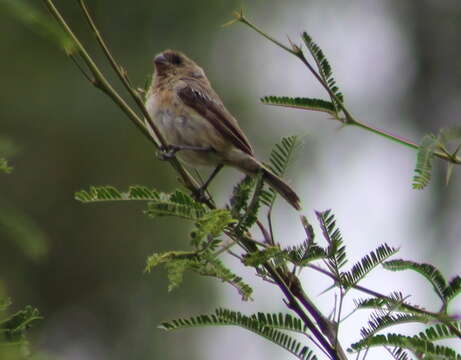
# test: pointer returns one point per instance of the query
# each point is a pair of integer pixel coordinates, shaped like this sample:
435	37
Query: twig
349	118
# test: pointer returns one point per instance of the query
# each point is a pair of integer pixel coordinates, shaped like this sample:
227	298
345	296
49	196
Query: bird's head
170	63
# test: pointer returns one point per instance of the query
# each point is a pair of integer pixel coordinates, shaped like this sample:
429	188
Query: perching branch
101	82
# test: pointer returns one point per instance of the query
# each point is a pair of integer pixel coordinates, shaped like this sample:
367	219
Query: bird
198	128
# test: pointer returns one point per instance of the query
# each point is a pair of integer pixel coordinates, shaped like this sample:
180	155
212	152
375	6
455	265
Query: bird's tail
282	188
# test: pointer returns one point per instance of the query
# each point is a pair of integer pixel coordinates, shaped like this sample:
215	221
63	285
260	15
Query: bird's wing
204	101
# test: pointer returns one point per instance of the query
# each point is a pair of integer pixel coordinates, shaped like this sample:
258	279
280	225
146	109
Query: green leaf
213	267
367	264
439	332
304	254
336	252
177	262
400	354
430	272
281	156
424	157
212	223
241	196
249	218
280	321
110	193
453	289
4	167
324	69
413	344
260	257
177	204
383	319
263	325
13	328
301	103
394	302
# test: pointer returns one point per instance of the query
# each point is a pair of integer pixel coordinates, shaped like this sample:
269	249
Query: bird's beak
160	59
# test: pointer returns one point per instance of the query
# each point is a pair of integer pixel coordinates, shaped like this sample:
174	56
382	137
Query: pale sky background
365	179
96	301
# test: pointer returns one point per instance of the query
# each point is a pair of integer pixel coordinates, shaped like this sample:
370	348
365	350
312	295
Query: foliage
424	159
176	263
4	166
269	326
301	103
325	71
274	263
280	158
430	145
13	330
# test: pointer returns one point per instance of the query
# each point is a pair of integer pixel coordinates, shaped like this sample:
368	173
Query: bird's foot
167	152
200	195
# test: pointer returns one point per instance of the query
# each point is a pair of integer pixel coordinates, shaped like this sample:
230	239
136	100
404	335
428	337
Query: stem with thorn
349	119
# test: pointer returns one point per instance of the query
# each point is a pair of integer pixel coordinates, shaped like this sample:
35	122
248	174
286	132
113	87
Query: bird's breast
181	125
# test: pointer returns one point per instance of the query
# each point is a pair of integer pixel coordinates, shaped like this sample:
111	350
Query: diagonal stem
101	82
349	118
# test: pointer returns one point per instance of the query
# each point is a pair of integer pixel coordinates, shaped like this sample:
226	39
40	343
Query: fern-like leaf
177	204
424	157
260	257
336	252
367	264
280	321
258	325
110	193
430	272
399	354
301	103
413	344
439	332
178	262
325	71
211	224
13	328
249	218
280	158
383	319
453	289
241	195
394	302
305	253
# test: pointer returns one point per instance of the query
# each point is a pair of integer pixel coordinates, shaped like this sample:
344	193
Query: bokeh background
399	66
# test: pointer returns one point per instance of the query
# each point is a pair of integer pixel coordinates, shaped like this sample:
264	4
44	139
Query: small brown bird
193	120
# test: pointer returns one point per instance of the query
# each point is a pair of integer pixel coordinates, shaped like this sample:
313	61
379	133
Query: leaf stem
349	118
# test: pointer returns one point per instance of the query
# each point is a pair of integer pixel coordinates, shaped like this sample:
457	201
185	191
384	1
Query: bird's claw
166	153
200	195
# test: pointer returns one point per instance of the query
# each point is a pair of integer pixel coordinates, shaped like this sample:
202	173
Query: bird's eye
175	59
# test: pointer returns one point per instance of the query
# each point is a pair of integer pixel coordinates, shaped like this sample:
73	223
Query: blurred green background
398	64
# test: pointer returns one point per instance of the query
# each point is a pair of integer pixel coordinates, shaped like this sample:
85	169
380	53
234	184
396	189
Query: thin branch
103	84
349	118
382	296
99	78
122	74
